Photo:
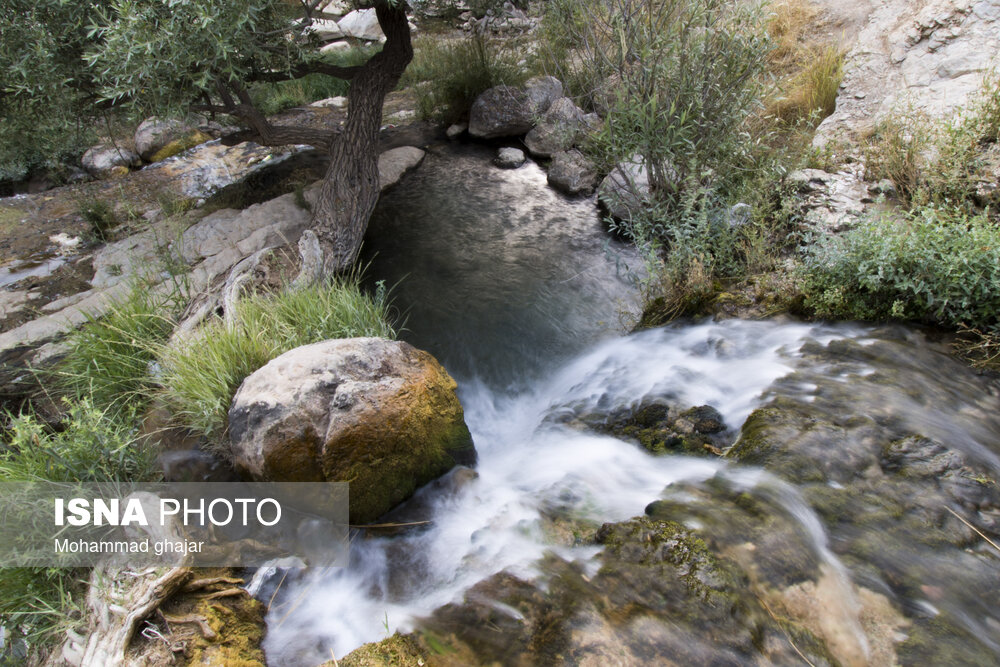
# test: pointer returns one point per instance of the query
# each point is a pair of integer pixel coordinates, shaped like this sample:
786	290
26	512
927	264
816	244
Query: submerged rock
893	446
377	413
663	428
658	596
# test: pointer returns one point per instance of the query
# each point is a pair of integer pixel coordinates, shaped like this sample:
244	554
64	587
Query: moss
10	217
239	626
180	145
754	445
396	651
413	438
936	641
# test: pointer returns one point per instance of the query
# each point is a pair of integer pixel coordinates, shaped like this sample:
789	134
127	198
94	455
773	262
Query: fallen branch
202	623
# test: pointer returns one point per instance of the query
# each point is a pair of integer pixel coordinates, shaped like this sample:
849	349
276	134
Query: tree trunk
351	187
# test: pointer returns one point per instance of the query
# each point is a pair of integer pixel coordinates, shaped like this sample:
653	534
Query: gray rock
542	91
626	189
395	162
456	130
509	158
339	102
326	30
378	413
883	187
739	214
103	161
505	111
335	47
155	134
195	465
212	166
810	180
362	24
502	111
558	129
571	172
336	7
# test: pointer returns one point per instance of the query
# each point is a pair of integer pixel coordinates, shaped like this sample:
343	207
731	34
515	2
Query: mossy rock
396	651
378	414
659	594
662	428
177	146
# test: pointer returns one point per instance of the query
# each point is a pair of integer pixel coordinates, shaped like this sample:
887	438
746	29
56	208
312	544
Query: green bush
202	373
937	265
448	74
109	357
91	445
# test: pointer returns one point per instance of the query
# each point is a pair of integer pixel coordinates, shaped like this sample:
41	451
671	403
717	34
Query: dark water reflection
499	276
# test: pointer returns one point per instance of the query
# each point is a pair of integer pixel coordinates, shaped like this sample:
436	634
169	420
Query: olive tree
203	55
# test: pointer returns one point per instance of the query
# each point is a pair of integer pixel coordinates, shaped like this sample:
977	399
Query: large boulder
571	172
506	111
103	161
626	189
362	24
380	414
558	130
159	138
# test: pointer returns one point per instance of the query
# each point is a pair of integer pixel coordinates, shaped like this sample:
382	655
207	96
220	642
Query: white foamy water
529	466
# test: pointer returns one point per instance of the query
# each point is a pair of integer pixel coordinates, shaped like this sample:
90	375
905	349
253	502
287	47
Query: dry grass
808	69
790	26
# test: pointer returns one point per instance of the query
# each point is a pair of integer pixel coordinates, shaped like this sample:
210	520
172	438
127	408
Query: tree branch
299	71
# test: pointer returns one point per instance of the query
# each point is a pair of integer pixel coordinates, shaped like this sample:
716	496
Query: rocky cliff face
926	55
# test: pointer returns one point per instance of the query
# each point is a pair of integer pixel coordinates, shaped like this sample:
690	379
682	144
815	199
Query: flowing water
521	296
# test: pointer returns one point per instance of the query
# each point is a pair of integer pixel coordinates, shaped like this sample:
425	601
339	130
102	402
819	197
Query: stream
867	437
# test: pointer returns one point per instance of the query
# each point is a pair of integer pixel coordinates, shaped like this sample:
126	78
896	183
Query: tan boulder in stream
379	414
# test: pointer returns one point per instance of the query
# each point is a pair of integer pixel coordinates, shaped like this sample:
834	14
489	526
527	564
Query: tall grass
202	373
109	357
448	74
811	94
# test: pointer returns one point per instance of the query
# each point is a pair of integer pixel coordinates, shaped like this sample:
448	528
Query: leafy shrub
448	74
937	265
92	445
109	357
202	373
